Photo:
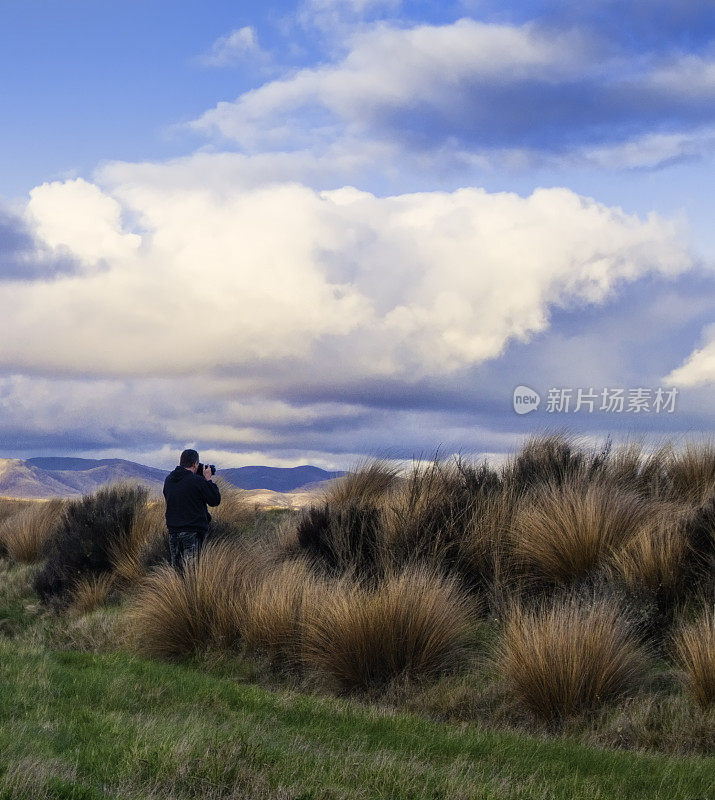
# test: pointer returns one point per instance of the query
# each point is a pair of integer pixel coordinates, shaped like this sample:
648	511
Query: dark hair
188	458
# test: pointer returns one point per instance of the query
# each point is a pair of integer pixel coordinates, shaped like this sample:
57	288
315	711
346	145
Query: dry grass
25	533
274	608
148	526
235	508
572	655
654	559
691	472
565	532
369	482
91	592
414	624
172	614
694	646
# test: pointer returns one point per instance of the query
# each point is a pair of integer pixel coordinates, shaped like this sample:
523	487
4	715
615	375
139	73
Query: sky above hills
315	231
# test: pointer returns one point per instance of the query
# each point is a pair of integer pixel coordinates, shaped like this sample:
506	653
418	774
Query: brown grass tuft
91	592
274	608
172	615
694	646
691	472
565	532
367	483
573	655
412	625
25	533
654	559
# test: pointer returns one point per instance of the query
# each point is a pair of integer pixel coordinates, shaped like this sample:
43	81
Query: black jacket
187	495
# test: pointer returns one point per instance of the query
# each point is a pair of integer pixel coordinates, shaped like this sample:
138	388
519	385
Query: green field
81	724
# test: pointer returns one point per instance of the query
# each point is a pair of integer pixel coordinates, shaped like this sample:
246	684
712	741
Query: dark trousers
184	546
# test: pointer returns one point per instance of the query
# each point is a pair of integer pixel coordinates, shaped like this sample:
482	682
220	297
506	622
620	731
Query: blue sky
387	214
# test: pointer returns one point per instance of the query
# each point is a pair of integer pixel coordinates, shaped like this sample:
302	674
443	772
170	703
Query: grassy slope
82	725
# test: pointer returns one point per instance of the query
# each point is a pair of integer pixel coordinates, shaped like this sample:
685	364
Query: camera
200	470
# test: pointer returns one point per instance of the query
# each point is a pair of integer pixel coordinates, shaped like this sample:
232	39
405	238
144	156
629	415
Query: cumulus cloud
699	368
477	87
234	48
24	257
340	282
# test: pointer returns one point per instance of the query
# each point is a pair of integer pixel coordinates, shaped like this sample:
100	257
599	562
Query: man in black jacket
187	494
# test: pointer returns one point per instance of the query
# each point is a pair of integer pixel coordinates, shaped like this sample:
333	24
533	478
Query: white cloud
77	216
337	283
652	149
234	48
434	61
699	367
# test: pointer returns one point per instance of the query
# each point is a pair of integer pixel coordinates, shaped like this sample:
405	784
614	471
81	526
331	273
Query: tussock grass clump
413	624
92	531
564	532
274	608
694	646
691	472
573	655
172	614
654	560
369	482
341	538
431	517
25	534
555	459
91	592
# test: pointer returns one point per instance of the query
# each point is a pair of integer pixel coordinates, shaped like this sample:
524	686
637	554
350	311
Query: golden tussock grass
91	592
691	472
413	624
236	508
694	647
654	558
274	607
25	533
172	614
564	532
369	482
570	656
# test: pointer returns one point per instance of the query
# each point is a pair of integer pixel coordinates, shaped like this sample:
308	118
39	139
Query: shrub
172	614
433	513
341	538
572	655
700	532
564	532
25	534
694	646
413	624
93	529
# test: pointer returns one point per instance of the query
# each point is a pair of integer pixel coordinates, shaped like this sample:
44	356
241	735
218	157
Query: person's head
189	459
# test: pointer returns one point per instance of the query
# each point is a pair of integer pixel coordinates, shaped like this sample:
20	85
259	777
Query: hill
45	477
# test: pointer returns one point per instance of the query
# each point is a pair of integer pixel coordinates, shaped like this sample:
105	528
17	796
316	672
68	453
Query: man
188	492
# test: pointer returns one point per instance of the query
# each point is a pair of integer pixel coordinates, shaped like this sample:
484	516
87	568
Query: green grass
86	725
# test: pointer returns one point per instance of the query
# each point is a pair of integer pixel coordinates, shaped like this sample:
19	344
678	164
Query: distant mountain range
64	477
